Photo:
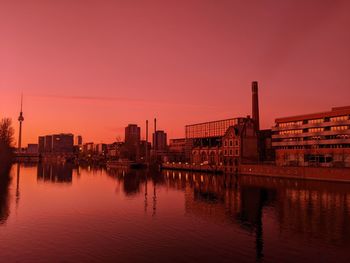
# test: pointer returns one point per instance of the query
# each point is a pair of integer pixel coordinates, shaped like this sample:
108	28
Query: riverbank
309	173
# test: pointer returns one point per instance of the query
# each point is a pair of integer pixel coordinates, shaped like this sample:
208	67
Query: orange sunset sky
92	67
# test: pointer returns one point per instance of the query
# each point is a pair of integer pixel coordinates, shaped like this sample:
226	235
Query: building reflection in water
305	209
134	181
55	173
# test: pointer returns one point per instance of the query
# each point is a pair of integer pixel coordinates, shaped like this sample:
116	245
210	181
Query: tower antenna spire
21	101
20	119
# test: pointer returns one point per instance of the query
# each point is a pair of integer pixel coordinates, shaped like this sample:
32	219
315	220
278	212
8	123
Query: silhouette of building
132	134
266	151
160	146
144	148
56	144
33	148
114	150
48	144
318	139
101	148
177	150
88	148
160	141
41	143
79	140
131	149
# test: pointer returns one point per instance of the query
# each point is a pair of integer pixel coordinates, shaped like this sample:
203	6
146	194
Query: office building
318	139
159	140
56	144
131	149
132	134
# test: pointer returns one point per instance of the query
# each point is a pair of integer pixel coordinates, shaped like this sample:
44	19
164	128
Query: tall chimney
255	105
155	135
146	150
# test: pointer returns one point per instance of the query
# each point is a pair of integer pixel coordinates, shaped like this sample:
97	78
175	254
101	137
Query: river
61	213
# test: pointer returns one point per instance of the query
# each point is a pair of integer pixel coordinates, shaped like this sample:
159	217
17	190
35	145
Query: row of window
290	132
339	118
313	121
331	137
209	129
332	146
288	124
333	128
339	128
316	129
230	152
230	143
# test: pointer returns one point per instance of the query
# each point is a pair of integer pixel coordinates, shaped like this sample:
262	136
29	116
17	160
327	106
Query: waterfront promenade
310	173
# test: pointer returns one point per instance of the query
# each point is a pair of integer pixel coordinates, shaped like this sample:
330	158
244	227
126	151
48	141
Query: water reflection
150	214
309	209
55	173
306	210
5	181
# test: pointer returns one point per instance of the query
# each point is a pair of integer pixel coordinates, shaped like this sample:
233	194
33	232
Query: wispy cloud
121	99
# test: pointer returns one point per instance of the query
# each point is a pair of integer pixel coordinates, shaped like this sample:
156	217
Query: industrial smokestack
155	135
155	125
146	150
255	105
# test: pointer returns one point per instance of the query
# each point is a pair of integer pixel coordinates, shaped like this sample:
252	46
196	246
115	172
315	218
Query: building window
231	143
236	142
339	128
316	129
236	152
225	142
315	121
339	118
230	152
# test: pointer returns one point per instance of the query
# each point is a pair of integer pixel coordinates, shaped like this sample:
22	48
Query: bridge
27	157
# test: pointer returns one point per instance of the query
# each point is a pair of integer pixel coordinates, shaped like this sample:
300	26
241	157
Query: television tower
20	119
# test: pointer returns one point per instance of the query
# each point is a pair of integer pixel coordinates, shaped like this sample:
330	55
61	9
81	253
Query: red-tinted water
65	214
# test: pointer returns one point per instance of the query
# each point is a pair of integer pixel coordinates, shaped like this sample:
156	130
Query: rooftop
335	111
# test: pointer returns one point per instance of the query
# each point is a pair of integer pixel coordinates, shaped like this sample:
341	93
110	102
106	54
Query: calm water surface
70	214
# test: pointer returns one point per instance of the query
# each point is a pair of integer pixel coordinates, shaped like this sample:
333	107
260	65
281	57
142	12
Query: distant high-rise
79	140
57	143
20	119
159	141
132	134
255	105
132	142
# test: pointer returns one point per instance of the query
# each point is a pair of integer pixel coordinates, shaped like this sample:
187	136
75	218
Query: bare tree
6	133
6	143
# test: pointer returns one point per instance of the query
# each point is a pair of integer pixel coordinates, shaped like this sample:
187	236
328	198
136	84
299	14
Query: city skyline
94	68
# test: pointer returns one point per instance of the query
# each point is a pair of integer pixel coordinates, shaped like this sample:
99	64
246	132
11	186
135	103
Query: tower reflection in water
303	210
55	173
